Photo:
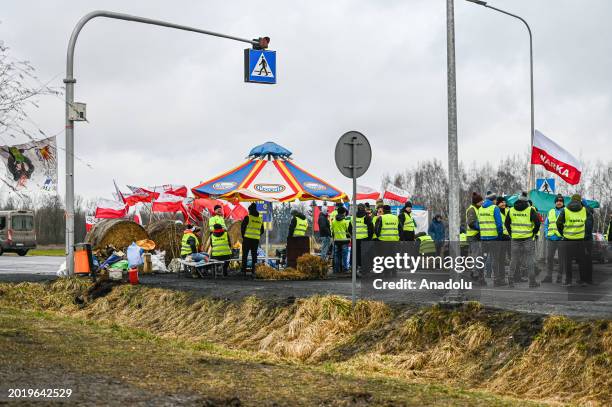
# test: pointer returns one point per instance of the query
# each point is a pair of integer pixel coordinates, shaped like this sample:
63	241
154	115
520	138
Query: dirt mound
531	356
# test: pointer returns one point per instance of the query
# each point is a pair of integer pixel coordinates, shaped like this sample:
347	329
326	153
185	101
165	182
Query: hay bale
234	232
265	272
167	235
312	266
119	233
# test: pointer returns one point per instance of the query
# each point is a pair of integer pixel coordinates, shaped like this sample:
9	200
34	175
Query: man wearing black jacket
324	232
523	224
575	224
251	230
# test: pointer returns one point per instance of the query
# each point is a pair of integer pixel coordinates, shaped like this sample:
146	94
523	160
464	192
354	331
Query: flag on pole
108	209
118	193
555	159
364	192
394	193
167	203
137	217
90	221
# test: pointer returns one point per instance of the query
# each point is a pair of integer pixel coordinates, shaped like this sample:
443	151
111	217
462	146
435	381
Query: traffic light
262	42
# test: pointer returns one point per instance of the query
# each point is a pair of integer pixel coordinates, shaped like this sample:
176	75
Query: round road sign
353	146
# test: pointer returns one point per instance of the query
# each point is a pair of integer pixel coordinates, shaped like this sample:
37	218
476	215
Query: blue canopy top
269	149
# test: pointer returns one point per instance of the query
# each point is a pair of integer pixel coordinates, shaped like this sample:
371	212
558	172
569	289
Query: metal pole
70	81
531	181
453	153
354	222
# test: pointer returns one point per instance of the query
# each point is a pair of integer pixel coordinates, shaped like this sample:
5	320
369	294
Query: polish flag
364	192
167	203
394	193
90	221
238	212
137	217
108	209
555	159
170	189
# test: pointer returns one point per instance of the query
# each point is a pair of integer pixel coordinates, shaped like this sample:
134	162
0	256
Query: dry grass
555	359
119	233
167	235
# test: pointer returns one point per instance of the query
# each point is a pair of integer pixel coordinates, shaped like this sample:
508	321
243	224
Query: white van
17	233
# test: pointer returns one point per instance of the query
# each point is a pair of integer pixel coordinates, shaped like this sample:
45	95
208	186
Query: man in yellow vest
387	226
340	228
572	225
491	230
364	229
505	239
553	241
426	244
190	244
473	230
220	246
217	218
298	225
251	230
407	223
377	215
522	223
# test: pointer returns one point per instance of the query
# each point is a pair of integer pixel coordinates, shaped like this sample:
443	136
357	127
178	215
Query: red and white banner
394	193
167	203
107	209
238	212
555	159
137	216
90	221
364	192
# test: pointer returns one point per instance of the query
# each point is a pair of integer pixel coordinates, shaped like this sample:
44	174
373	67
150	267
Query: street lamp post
70	81
484	4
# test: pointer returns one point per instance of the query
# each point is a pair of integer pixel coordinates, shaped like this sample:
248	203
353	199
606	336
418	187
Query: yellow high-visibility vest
253	229
574	226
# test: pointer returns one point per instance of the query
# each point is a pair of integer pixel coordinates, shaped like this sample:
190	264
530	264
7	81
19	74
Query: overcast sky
166	106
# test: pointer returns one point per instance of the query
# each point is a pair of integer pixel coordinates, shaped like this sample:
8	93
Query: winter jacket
576	206
498	221
293	223
324	225
245	222
378	226
472	219
402	219
535	219
553	237
436	230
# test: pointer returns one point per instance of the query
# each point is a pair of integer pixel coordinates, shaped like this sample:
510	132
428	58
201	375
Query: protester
473	232
436	231
298	225
221	247
491	231
426	244
523	224
190	244
387	226
217	218
340	231
324	232
251	230
407	223
553	241
572	224
364	229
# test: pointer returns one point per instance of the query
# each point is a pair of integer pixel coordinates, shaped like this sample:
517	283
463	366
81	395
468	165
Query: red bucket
133	276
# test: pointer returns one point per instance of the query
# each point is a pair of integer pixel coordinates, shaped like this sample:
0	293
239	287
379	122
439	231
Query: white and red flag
555	159
394	193
167	203
137	216
90	221
364	192
108	209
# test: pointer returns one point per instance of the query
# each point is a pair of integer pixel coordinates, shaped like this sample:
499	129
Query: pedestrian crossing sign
546	185
259	66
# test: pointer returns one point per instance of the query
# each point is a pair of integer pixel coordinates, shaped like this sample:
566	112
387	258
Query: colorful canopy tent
268	175
545	201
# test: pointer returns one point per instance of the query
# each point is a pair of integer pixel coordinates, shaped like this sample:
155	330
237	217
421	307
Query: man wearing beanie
251	230
407	223
473	230
387	226
523	224
217	218
553	240
572	225
491	231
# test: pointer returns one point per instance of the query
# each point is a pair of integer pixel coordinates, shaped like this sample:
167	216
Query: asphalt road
592	301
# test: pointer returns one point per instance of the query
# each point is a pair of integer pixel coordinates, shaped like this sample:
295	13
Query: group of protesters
498	231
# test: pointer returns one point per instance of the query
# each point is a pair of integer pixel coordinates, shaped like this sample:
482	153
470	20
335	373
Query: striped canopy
268	175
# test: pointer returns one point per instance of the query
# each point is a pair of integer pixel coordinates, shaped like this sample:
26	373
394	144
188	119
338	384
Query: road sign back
259	66
344	154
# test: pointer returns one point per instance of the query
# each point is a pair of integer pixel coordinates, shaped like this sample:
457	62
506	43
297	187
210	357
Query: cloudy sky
167	106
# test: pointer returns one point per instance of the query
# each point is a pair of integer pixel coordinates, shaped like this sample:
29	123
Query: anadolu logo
222	186
269	188
314	186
